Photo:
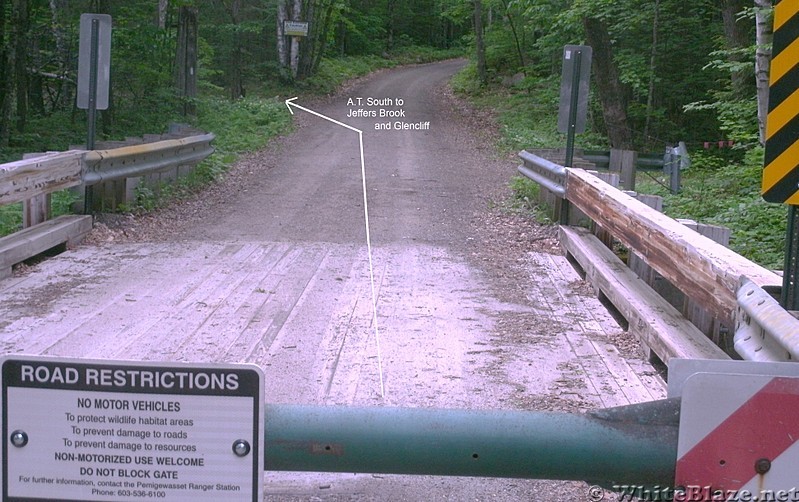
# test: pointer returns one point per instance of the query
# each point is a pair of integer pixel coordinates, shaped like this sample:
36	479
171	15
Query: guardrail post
624	162
36	209
671	166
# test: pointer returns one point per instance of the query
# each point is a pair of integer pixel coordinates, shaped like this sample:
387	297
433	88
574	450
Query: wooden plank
602	234
36	209
597	325
31	241
25	179
635	263
654	321
701	318
705	270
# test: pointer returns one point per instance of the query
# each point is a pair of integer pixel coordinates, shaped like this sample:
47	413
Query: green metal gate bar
634	444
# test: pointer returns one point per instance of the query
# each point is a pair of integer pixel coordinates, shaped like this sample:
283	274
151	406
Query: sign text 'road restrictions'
105	430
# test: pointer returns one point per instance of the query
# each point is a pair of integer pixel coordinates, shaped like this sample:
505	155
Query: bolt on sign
781	171
76	429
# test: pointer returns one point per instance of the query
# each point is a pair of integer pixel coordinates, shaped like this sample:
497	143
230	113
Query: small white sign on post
295	28
78	429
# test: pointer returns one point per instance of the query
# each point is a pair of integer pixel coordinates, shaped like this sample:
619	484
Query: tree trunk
64	95
392	4
308	44
236	84
519	51
611	91
763	14
163	7
295	41
6	82
107	115
282	49
21	22
322	43
650	98
186	59
736	34
482	73
35	79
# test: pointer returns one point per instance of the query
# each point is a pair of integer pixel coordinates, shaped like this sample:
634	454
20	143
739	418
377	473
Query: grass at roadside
717	189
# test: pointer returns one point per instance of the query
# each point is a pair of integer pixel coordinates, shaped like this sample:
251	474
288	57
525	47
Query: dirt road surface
475	308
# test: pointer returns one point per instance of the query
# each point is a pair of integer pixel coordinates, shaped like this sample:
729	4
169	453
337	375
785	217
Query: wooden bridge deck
303	313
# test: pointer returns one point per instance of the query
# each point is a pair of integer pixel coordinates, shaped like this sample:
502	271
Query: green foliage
61	202
240	126
720	188
525	200
10	218
335	71
243	125
466	81
736	114
11	214
527	113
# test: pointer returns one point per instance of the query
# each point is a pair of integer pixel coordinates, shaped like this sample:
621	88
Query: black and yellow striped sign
781	172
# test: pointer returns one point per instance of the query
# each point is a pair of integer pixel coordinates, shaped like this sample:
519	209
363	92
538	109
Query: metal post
675	180
790	277
571	131
634	444
92	110
578	57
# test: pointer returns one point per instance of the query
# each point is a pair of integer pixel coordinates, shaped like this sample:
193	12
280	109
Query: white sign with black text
105	430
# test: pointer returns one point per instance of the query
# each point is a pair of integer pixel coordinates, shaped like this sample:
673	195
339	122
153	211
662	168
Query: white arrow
289	103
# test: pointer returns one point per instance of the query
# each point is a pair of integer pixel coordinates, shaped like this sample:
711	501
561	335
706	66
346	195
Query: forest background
664	71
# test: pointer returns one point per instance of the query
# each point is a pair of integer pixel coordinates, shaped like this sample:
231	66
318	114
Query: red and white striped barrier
738	438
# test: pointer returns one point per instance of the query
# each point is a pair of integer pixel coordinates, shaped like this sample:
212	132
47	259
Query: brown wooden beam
25	179
705	271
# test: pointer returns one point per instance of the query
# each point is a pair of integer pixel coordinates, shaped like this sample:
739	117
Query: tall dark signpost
574	84
94	74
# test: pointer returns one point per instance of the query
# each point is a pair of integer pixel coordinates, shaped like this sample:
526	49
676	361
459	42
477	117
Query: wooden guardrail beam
705	271
28	178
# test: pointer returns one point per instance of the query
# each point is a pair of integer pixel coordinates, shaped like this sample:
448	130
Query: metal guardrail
138	160
764	331
645	161
29	178
547	174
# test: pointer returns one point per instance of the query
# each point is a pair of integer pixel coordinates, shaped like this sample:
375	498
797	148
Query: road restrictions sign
105	430
781	166
739	437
